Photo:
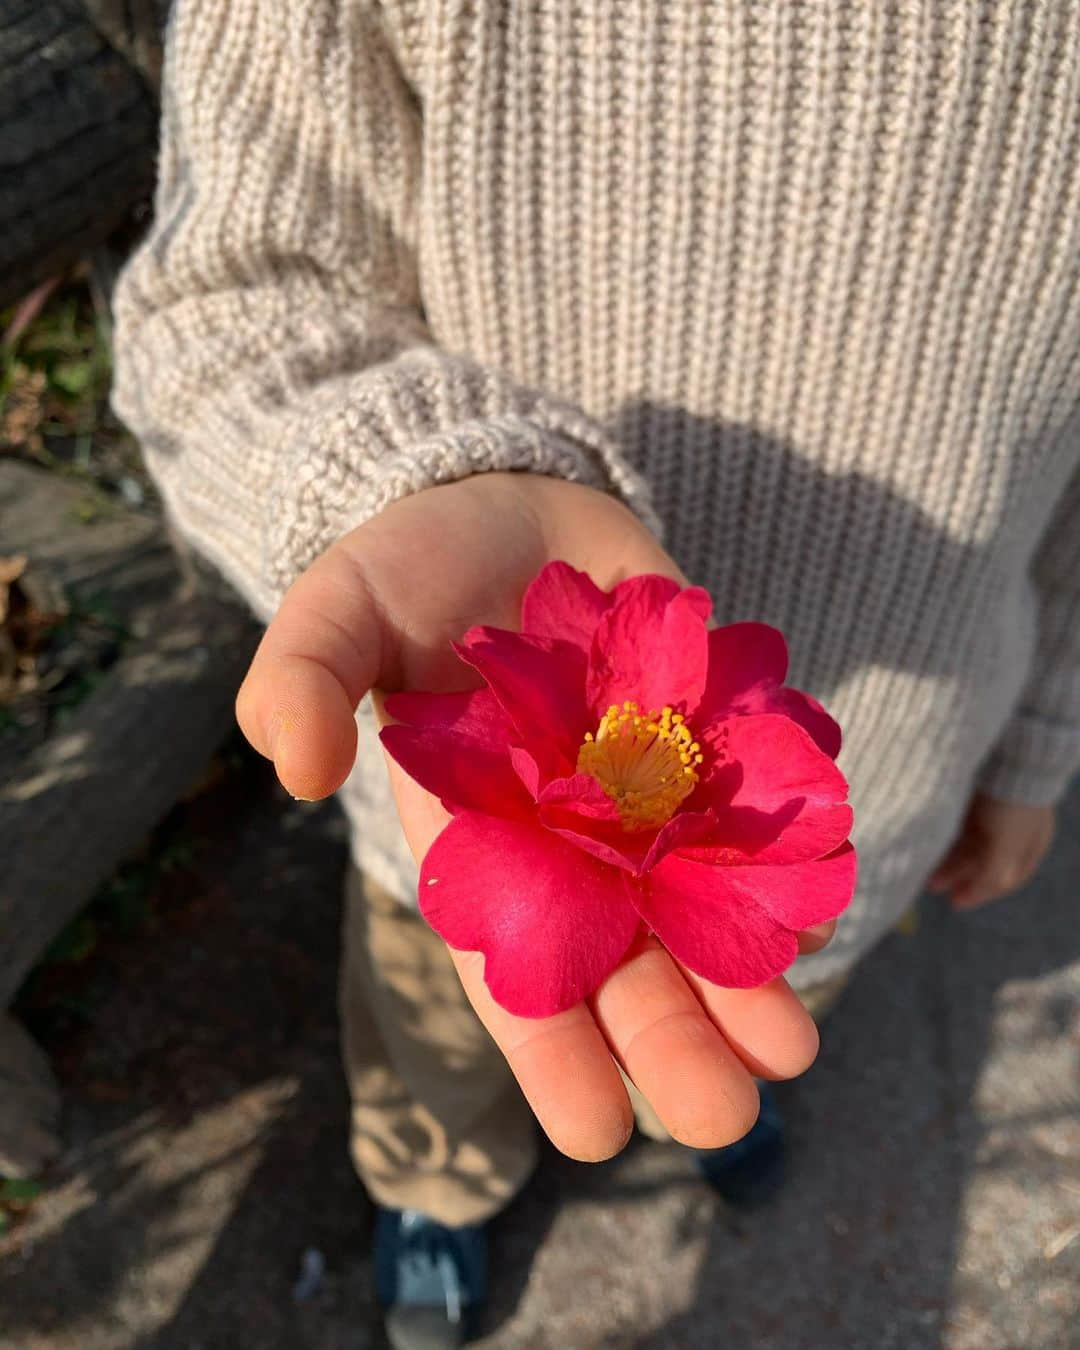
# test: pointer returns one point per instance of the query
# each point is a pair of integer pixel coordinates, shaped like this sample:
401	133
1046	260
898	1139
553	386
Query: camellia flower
625	768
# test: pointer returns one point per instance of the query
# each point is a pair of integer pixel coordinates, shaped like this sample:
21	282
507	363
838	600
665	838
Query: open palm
378	612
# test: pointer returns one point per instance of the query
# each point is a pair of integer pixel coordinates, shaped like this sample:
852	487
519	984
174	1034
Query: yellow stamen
646	762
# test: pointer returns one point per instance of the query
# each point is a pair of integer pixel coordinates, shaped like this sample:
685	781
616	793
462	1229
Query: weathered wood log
29	1104
92	546
87	796
81	800
135	28
79	138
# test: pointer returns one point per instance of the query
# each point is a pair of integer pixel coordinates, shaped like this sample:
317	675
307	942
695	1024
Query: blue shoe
749	1172
430	1279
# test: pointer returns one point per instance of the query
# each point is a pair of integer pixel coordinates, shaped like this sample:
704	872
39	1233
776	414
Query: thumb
322	652
379	605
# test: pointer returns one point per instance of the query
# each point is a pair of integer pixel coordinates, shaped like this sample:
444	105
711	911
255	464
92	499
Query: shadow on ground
931	1204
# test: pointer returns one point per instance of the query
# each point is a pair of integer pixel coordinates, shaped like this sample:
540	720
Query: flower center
644	761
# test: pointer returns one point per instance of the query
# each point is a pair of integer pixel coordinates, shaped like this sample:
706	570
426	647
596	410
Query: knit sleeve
1040	749
271	350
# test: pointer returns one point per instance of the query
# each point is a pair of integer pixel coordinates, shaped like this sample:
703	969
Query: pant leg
817	999
438	1122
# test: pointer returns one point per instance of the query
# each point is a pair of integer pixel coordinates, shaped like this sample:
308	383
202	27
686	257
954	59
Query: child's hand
998	849
378	610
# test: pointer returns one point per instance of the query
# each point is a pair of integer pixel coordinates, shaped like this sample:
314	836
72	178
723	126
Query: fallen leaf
11	569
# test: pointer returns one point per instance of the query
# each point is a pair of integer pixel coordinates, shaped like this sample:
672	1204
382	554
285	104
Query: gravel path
936	1201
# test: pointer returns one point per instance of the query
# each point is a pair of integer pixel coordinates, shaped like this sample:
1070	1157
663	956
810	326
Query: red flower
625	766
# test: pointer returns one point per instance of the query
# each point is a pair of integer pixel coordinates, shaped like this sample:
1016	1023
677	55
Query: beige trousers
438	1121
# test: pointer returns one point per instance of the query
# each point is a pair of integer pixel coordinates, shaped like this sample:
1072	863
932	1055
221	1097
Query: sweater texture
797	279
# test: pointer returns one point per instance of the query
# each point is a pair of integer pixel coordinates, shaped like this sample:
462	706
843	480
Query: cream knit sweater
797	278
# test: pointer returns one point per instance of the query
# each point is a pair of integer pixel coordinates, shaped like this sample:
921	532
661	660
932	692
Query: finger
768	1027
959	860
673	1053
563	1066
960	871
978	887
317	659
1003	869
971	895
962	879
813	939
943	878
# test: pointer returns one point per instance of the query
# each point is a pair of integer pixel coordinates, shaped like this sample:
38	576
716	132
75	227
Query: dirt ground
935	1201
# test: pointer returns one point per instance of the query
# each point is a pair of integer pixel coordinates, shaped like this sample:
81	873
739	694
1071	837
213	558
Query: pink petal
474	713
808	712
684	829
713	927
776	796
456	746
551	921
747	667
651	646
562	602
464	773
540	684
746	661
582	794
578	809
650	590
527	770
796	833
800	895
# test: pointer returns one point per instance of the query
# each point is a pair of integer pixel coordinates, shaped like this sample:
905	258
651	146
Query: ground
935	1200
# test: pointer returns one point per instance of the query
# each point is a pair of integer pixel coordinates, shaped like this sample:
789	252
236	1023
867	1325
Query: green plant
55	372
16	1197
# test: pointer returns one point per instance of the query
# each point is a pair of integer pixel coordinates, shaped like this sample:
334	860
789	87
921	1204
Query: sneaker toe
416	1328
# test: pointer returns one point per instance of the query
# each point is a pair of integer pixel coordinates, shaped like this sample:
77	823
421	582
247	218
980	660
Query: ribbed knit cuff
1033	762
336	489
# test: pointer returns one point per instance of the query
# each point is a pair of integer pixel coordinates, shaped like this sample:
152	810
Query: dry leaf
11	569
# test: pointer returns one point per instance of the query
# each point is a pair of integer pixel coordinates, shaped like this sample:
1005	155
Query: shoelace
427	1249
452	1285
